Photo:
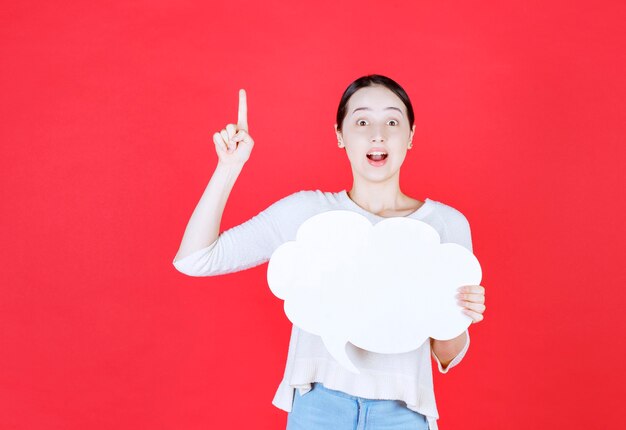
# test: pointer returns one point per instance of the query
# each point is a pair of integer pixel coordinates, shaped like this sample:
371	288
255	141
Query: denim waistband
320	386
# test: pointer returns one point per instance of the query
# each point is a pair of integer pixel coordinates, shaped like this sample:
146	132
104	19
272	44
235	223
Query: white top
406	376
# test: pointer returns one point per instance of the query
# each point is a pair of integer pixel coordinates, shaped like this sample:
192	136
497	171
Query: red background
107	114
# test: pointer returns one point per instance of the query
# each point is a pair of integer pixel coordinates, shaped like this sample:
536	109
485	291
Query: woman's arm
449	353
204	251
233	145
252	242
204	225
447	350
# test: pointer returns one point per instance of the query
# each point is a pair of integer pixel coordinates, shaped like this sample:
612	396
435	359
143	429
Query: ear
411	136
339	137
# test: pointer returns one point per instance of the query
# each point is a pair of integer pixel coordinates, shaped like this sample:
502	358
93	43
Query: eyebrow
366	108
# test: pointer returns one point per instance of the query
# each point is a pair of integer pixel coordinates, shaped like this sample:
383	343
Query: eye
360	121
394	122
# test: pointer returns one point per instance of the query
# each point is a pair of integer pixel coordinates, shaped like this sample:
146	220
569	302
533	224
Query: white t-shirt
406	376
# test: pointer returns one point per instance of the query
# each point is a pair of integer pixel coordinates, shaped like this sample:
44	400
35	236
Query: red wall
107	118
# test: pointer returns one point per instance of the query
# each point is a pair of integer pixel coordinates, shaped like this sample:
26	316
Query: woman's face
375	133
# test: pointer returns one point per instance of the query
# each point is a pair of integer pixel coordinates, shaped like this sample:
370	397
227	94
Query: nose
377	134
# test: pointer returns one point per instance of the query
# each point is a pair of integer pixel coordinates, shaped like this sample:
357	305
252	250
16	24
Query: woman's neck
379	198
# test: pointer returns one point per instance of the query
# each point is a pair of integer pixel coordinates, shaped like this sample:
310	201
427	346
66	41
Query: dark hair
368	81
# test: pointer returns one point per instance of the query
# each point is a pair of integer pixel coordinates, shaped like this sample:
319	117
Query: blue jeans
326	409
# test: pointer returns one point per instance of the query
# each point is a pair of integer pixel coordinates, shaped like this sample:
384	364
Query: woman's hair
368	81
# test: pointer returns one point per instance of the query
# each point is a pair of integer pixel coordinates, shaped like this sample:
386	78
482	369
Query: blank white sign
385	288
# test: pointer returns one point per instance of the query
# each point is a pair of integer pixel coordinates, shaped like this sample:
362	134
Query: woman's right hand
233	144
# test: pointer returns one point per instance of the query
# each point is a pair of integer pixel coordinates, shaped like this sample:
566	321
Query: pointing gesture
233	144
242	118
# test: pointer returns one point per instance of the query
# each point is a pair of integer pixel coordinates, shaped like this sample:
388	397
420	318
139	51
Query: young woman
375	127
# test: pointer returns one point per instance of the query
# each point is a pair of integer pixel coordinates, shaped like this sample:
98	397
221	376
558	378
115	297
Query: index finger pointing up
242	118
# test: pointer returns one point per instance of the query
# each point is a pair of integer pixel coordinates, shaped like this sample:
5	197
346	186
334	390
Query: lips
377	154
377	157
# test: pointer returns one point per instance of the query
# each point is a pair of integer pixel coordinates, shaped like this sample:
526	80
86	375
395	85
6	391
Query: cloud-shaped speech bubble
384	288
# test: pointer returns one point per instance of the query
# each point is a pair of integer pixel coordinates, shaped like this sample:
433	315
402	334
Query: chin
377	176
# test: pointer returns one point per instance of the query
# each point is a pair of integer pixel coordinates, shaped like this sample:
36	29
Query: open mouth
376	155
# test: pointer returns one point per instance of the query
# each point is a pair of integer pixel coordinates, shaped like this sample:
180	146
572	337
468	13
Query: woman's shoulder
292	210
308	200
448	212
313	195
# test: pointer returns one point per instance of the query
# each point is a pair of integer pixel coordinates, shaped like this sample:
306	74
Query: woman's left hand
472	299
